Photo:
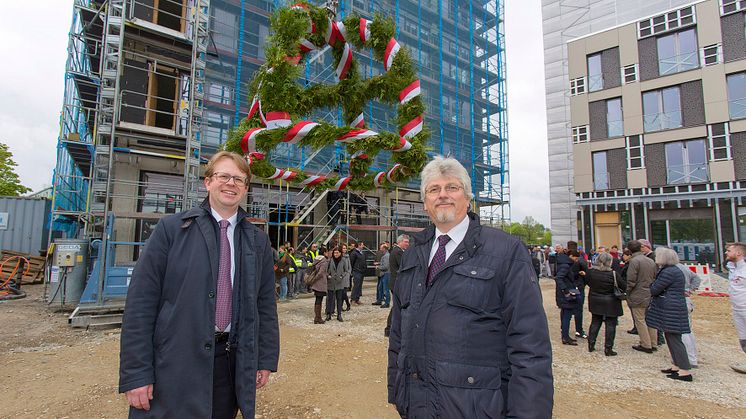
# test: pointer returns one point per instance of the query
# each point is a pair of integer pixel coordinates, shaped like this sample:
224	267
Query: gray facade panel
692	104
597	118
616	164
738	151
647	50
610	67
734	42
655	161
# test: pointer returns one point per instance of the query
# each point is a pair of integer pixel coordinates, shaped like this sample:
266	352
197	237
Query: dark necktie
438	260
225	289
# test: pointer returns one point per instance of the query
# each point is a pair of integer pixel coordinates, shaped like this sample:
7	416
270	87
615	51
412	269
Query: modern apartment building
563	21
154	86
658	129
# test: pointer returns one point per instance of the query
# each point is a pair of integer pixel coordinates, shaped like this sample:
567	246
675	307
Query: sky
34	44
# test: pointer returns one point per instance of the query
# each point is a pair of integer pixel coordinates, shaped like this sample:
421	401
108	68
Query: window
666	22
732	6
595	73
719	139
629	73
677	52
737	95
635	152
600	171
686	162
711	54
577	86
580	134
662	109
219	93
614	119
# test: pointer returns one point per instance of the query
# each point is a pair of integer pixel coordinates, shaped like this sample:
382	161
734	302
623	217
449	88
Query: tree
531	232
10	184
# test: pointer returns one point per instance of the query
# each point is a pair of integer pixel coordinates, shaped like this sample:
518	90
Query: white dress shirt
456	234
231	229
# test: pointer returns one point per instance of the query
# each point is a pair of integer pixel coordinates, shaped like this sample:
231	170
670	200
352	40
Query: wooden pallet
35	274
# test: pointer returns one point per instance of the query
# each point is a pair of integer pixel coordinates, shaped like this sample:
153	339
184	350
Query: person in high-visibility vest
291	272
313	253
300	259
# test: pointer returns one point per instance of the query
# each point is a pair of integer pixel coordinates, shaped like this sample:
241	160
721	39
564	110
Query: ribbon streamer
390	174
299	131
344	62
392	48
364	30
278	173
409	92
312	180
306	46
278	120
249	140
403	146
359	121
412	128
378	180
342	183
356	134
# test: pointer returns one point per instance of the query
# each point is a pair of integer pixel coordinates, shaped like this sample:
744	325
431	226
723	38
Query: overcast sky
33	50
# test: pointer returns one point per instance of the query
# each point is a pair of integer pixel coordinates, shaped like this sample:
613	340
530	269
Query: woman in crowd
348	285
567	292
319	273
339	271
602	303
668	311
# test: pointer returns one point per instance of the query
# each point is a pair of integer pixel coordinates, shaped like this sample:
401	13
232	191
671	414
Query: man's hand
262	377
140	397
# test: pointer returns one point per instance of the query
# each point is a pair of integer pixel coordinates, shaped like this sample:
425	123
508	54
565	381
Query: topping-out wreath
279	102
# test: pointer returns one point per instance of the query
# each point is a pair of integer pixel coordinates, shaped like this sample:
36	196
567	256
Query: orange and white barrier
703	272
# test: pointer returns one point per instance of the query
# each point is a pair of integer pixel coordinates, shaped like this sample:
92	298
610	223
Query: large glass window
595	73
677	52
600	171
686	162
737	95
614	120
662	109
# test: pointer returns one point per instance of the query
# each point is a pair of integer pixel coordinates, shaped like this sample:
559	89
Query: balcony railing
688	173
662	121
678	63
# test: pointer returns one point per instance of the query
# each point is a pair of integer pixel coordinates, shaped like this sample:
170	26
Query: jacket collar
205	209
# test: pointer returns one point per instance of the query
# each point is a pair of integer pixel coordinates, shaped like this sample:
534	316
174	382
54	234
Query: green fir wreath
279	102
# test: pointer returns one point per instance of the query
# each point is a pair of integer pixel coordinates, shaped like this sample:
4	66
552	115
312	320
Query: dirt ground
338	370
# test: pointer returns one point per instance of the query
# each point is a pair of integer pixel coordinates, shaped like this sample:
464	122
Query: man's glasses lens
225	178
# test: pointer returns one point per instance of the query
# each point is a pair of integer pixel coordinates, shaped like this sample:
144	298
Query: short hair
627	252
573	253
239	161
599	248
738	245
615	247
572	245
402	237
634	246
441	166
665	256
603	262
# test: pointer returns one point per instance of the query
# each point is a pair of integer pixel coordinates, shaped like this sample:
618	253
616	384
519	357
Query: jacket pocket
471	288
468	390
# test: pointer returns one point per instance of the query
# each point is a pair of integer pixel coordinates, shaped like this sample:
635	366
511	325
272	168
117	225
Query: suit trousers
357	285
224	404
335	298
648	335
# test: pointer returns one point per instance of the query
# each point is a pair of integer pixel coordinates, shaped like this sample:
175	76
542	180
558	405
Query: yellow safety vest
296	261
314	255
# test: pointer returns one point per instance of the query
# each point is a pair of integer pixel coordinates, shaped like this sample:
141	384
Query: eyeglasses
225	178
450	189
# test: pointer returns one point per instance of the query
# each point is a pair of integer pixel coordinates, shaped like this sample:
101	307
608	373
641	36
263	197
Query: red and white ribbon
306	46
333	33
358	155
356	134
378	179
302	7
312	180
344	62
359	121
278	120
364	30
277	174
342	31
261	114
255	156
299	131
249	140
403	146
294	60
412	128
254	107
288	175
342	183
390	174
392	48
409	92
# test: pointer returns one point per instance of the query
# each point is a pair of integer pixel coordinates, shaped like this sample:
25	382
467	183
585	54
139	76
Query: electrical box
65	258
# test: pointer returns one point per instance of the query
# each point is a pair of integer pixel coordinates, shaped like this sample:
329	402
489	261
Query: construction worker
291	272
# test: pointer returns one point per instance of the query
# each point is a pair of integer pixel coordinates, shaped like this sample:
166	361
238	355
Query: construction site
153	87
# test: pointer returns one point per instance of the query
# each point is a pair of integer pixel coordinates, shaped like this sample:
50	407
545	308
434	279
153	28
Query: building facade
657	118
563	21
154	86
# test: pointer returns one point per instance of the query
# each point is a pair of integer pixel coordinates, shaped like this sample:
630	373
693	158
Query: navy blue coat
476	344
667	311
567	278
168	326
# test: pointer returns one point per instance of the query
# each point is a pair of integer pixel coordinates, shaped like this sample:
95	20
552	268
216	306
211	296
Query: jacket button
211	294
208	346
414	376
419	284
460	258
470	380
473	272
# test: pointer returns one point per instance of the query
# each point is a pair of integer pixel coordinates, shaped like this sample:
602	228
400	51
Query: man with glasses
200	332
468	328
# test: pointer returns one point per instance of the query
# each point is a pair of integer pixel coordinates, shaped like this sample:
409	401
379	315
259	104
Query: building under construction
152	88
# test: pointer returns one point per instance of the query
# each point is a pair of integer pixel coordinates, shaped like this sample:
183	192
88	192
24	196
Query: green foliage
10	184
275	83
531	232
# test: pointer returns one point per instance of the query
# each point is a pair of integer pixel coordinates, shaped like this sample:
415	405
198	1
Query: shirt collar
232	219
457	233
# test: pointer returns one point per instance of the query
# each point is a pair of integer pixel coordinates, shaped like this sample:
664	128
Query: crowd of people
656	287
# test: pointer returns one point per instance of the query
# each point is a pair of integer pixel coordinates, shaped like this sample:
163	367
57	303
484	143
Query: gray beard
445	216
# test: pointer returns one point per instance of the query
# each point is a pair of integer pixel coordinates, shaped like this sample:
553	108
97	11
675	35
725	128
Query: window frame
731	101
678	65
640	146
634	74
596	180
704	55
687	172
620	121
661	108
580	134
666	22
577	86
737	6
711	142
592	79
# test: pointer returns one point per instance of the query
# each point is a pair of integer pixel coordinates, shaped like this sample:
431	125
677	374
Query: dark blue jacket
168	328
476	344
667	311
566	279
